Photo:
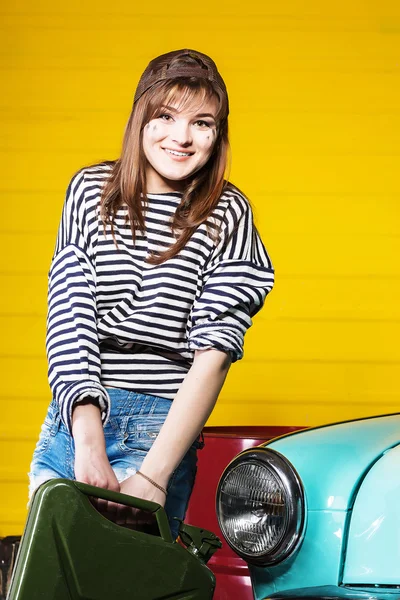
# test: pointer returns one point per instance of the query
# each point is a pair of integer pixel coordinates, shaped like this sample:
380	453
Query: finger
112	508
121	514
147	523
131	518
99	504
141	520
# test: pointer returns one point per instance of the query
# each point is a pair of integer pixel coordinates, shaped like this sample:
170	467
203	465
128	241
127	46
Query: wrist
87	427
157	471
153	483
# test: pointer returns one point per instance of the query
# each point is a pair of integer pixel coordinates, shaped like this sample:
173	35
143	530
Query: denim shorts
134	423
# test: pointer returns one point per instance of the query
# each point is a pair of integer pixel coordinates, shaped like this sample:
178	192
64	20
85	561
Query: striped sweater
116	320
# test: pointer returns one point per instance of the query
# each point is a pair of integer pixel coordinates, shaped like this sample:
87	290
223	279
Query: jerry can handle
145	505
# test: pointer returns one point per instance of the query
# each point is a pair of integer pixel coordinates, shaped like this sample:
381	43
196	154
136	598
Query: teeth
177	153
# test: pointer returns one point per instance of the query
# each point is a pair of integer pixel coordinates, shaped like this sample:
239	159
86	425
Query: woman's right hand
92	467
91	462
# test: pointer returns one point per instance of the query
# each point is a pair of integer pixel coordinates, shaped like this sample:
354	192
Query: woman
156	273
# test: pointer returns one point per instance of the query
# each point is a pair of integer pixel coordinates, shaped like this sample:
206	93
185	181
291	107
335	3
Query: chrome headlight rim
293	486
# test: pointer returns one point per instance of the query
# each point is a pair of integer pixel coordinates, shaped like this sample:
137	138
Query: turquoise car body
351	477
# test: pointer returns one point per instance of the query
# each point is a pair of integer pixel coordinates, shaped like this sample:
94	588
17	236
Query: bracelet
152	481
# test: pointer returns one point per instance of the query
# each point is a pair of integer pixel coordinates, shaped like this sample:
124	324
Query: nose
181	133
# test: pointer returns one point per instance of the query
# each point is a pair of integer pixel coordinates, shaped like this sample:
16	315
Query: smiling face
178	142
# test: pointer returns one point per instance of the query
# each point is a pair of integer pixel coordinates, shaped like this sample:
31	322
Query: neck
157	184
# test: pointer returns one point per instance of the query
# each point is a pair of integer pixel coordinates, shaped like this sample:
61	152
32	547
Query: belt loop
154	402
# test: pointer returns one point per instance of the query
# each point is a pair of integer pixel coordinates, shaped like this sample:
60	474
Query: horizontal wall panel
330	384
306	27
25	294
288	133
75	130
56	176
26	335
25	377
285	413
275	211
317	300
30	254
39	210
29	414
336	340
358	174
342	52
16	458
315	138
319	175
292	339
13	527
327	299
116	60
310	20
330	90
349	135
352	213
309	8
314	380
333	255
319	254
13	507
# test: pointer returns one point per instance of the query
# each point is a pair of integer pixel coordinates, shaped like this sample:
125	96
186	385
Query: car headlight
261	506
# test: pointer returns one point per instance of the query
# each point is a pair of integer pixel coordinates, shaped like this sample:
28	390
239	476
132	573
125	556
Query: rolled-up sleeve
236	281
72	342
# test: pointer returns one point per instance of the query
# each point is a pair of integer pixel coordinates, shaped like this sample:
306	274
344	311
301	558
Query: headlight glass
260	506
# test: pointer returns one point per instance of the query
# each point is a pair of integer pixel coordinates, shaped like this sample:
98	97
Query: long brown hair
127	182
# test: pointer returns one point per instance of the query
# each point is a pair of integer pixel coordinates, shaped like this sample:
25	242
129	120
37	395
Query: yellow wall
315	99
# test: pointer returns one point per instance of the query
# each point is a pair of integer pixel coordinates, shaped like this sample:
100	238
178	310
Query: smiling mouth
177	153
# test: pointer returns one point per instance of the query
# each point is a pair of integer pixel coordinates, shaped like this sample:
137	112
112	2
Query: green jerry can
69	551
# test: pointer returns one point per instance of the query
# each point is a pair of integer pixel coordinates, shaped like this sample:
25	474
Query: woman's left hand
139	487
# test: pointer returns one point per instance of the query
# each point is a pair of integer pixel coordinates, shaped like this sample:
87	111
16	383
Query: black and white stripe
115	320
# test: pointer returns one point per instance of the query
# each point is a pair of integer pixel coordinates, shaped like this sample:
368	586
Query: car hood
332	460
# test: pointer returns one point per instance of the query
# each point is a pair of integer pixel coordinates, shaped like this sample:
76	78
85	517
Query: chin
177	177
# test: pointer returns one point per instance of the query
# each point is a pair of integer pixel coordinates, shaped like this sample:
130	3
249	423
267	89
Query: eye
203	124
165	117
